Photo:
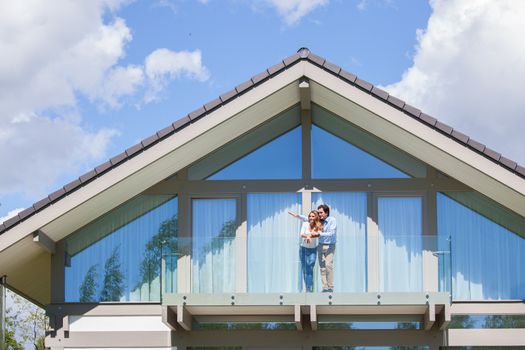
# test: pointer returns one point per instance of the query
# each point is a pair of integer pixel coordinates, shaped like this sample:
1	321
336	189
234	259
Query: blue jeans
308	256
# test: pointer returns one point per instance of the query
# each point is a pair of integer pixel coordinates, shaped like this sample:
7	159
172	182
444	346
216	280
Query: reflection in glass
348	162
116	257
400	244
273	243
213	258
350	211
278	159
488	260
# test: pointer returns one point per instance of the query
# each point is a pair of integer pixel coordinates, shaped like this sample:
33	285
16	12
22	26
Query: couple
318	226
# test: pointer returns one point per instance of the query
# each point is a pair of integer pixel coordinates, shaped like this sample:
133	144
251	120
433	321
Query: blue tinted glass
334	158
488	260
278	159
117	257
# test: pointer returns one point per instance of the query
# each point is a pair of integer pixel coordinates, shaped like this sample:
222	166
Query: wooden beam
184	318
430	316
169	317
444	317
44	241
298	317
313	317
306	100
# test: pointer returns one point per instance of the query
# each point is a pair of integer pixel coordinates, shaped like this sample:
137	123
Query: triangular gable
236	113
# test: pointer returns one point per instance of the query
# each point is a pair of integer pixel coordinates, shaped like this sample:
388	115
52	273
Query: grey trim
44	241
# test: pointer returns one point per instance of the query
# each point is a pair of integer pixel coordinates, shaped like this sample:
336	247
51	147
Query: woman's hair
317	225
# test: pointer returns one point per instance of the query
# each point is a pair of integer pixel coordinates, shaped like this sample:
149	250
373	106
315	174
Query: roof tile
520	170
379	93
427	119
476	145
316	59
134	149
10	222
167	130
57	194
196	114
246	85
505	161
347	76
2	227
443	127
228	96
259	77
118	158
276	68
364	84
332	67
88	176
212	104
103	167
41	203
396	101
149	140
72	185
460	136
412	110
492	154
292	59
181	123
26	212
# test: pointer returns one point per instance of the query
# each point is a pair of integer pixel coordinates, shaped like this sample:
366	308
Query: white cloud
293	10
52	54
467	71
163	65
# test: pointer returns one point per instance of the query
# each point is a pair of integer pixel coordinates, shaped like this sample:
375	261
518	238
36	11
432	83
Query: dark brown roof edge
302	54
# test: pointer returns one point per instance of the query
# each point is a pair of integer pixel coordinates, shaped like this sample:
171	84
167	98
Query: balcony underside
307	310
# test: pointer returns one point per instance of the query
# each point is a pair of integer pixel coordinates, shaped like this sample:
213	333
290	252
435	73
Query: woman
309	233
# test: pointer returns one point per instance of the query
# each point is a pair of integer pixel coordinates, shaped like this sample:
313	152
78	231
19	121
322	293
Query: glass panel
214	226
350	211
279	159
487	321
273	242
487	259
400	244
334	158
117	257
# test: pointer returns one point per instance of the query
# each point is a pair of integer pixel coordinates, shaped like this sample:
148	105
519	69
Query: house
185	241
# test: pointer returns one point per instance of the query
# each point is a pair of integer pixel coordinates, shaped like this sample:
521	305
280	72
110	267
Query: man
326	246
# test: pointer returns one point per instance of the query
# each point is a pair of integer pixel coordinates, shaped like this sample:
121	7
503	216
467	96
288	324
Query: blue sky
82	81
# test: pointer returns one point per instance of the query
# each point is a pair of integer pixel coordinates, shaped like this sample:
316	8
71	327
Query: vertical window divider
306	127
372	255
241	273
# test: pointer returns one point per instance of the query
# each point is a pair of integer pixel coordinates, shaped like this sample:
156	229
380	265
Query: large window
273	243
214	225
117	257
488	259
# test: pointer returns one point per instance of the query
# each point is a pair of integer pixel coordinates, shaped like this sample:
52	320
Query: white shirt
305	229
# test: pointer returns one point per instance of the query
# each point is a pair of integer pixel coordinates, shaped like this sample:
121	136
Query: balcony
405	279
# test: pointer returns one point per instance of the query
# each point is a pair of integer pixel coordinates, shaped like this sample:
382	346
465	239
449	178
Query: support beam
313	317
444	317
430	316
169	317
184	318
44	241
298	317
304	89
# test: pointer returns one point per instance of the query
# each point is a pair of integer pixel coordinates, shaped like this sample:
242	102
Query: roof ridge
303	54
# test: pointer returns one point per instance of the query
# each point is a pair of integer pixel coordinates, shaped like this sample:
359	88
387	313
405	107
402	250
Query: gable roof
226	118
302	54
